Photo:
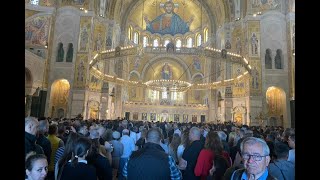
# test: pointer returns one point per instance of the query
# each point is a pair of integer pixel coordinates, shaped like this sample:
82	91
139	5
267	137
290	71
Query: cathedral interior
208	61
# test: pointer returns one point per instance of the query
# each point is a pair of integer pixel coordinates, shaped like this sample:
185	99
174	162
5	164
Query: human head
53	129
213	142
43	126
194	134
252	149
292	141
31	125
281	150
154	136
168	7
36	166
222	135
83	129
82	148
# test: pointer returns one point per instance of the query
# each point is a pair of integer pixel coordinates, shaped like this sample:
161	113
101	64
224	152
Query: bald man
31	128
151	162
190	154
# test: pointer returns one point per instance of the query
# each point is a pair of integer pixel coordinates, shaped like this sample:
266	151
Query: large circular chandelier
168	85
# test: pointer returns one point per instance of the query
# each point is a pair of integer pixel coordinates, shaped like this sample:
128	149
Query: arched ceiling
131	10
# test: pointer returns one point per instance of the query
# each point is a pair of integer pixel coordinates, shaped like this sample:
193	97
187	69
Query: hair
195	131
168	2
82	146
43	125
31	158
176	140
293	137
213	142
185	138
222	135
68	148
29	120
254	140
53	129
154	135
232	140
281	150
271	137
287	133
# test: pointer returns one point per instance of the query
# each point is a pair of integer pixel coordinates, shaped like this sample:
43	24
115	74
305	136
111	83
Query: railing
181	50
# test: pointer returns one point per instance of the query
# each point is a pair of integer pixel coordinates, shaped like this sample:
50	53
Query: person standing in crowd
255	154
77	167
190	154
31	128
151	162
36	166
281	168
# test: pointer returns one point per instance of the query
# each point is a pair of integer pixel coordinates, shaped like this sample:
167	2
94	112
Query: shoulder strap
238	173
280	171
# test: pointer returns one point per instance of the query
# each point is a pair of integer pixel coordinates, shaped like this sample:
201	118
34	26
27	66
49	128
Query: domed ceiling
219	11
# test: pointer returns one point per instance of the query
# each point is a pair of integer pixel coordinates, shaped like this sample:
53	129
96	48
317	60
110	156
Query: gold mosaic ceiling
218	8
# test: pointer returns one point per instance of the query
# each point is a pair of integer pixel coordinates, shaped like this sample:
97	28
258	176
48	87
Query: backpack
238	173
221	164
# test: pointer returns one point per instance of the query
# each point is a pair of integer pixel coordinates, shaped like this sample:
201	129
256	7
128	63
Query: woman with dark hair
36	166
64	153
77	167
98	159
213	147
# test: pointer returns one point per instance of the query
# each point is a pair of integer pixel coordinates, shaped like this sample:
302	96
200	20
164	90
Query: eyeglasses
254	157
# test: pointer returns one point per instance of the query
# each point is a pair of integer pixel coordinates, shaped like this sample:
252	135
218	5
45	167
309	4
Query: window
145	41
34	2
130	33
174	95
164	95
198	39
189	42
166	42
206	33
156	43
136	37
178	43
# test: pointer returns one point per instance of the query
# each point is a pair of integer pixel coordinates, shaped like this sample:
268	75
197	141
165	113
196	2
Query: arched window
156	42
166	42
198	39
145	41
189	42
136	37
206	34
278	59
174	95
178	43
164	95
130	33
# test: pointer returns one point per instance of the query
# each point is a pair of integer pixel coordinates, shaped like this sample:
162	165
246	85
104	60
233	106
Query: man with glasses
255	155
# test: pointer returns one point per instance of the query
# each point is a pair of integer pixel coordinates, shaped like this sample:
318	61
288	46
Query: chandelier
168	85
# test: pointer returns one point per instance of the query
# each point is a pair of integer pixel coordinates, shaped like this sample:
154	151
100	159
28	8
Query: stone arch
239	114
160	57
134	73
276	106
59	95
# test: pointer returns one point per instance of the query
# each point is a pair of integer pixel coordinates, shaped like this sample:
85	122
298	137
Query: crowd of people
67	149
